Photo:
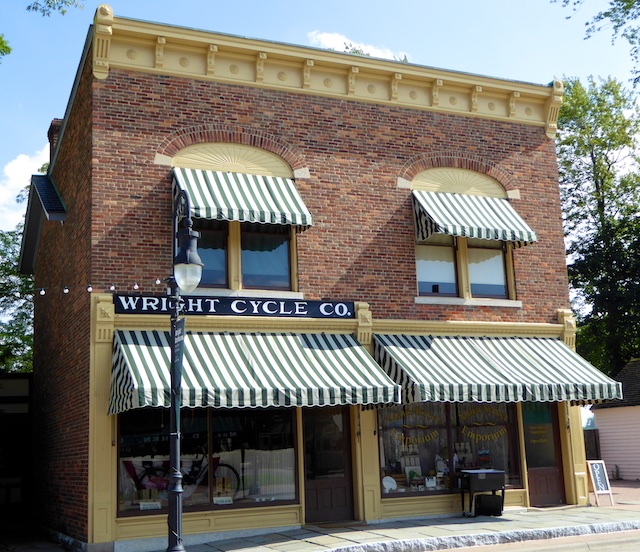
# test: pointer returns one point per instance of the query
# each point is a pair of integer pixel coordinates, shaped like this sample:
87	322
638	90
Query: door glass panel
324	444
539	436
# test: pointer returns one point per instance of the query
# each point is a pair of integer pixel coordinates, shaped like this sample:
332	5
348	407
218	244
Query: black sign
599	476
237	306
599	480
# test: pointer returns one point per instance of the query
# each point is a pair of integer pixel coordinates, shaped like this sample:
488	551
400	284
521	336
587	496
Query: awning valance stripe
219	195
469	216
490	369
245	370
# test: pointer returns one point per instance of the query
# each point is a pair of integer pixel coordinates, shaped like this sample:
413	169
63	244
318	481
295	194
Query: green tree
45	8
16	307
620	17
600	189
5	49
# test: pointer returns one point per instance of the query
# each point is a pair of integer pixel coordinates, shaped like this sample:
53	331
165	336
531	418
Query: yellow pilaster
102	494
571	435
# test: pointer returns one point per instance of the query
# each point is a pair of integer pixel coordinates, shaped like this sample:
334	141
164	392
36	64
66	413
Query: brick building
381	241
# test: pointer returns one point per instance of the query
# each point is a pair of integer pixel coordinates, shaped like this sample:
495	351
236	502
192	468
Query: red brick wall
62	339
118	227
362	246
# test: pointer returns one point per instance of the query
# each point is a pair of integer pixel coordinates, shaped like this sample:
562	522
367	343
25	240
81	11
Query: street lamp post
187	271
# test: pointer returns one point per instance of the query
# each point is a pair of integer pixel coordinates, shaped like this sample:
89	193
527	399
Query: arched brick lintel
457	160
228	134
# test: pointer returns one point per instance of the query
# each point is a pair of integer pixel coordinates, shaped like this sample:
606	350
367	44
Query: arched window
465	233
247	241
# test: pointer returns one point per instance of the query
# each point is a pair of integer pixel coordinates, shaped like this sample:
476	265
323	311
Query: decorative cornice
189	53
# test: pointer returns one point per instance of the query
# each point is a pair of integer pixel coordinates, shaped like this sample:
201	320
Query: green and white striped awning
218	195
245	370
490	369
469	216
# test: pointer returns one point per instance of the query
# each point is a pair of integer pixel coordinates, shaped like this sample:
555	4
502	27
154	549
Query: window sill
460	301
258	293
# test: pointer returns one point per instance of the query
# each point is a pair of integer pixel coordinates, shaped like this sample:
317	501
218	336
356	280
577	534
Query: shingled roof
630	379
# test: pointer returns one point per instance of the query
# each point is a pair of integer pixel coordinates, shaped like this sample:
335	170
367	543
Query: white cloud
337	41
16	174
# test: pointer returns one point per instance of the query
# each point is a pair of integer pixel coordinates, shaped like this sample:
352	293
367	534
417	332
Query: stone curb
484	539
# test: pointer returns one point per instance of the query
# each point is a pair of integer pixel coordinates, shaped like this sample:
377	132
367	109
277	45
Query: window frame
454	431
161	438
463	278
478	245
234	260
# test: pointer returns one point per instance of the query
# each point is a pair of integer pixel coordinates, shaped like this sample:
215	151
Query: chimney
53	134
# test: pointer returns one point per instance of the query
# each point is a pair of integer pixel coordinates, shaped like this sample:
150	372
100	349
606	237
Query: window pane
487	273
265	256
144	459
212	248
486	438
414	449
252	459
436	270
539	435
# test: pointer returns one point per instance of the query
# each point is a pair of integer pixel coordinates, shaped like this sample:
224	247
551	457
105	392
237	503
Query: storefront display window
228	458
486	438
423	445
414	448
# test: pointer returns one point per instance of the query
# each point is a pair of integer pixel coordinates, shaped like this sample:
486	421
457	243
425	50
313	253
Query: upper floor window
487	270
247	209
436	266
465	236
265	256
212	248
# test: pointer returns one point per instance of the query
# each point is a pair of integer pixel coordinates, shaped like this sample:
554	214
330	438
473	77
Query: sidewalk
416	535
451	532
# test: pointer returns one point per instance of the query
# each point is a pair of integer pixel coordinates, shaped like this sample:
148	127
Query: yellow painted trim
467	328
355	427
509	271
148	526
234	260
102	468
454	180
301	466
169	50
523	454
230	157
293	259
462	268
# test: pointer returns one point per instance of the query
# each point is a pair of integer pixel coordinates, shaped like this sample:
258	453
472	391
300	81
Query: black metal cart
482	481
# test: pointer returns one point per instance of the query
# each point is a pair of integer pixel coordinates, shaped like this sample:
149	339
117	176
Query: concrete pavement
451	532
416	535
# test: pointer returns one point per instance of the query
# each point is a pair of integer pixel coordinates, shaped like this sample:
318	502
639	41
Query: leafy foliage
620	17
46	7
600	191
16	307
5	49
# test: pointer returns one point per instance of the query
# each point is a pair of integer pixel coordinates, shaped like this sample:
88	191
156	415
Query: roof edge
196	54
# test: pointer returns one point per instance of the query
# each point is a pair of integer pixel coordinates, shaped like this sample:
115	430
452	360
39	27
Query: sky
525	40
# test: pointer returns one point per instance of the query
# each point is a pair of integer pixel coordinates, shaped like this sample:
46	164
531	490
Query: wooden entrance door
327	464
544	458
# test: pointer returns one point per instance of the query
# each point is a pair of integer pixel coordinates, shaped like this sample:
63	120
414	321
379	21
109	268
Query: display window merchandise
424	445
229	459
